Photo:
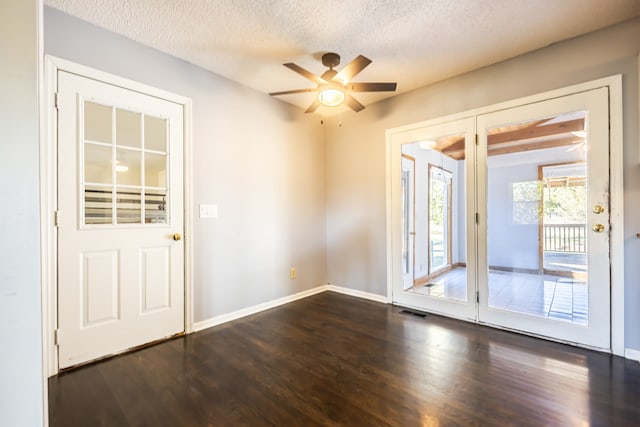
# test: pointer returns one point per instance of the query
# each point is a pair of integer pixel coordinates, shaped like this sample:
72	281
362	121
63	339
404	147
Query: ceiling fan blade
352	103
289	92
304	73
352	69
372	87
313	107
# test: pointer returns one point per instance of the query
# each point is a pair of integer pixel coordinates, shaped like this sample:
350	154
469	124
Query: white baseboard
632	354
224	318
360	294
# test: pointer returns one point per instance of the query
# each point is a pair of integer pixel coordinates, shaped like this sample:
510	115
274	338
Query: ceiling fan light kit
331	97
333	87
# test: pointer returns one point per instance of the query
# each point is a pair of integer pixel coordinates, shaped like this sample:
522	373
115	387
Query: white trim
530	99
234	315
389	186
614	83
84	71
48	189
48	204
632	354
42	130
359	294
616	211
188	215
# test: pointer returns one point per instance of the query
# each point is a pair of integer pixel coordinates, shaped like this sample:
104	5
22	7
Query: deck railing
565	238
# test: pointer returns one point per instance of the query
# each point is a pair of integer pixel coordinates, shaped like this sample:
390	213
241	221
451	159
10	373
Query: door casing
614	83
49	189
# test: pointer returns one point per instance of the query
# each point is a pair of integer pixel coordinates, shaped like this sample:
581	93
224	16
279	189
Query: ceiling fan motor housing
330	59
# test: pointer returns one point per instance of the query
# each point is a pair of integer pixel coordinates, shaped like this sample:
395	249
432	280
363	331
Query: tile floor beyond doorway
550	296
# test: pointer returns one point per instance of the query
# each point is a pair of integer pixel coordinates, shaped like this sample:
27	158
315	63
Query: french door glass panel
543	172
408	225
443	272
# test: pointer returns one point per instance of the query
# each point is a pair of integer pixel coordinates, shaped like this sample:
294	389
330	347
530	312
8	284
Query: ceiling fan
334	87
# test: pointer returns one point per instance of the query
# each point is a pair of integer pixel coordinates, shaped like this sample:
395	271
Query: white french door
543	234
527	235
120	202
444	267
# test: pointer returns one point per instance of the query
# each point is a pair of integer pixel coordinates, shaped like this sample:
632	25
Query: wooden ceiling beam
457	145
536	132
539	145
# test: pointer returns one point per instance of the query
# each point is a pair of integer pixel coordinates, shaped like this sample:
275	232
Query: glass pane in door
537	216
98	202
125	163
405	221
440	217
440	206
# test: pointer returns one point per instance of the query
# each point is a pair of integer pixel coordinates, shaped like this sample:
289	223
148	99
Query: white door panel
120	185
573	305
100	296
449	290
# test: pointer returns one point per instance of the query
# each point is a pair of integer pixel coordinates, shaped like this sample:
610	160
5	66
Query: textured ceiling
412	42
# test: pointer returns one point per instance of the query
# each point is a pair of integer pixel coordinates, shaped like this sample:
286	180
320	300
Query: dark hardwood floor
336	360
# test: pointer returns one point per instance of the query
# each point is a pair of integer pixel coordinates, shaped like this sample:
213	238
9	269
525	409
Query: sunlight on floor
550	296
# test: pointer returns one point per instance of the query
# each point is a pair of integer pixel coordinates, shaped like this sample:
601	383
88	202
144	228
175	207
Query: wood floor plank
335	360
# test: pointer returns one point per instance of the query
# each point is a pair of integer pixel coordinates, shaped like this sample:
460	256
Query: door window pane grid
116	161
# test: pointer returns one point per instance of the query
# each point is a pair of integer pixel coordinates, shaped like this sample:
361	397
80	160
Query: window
124	163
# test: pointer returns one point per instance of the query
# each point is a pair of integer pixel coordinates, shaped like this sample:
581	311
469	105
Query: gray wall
261	161
356	182
21	380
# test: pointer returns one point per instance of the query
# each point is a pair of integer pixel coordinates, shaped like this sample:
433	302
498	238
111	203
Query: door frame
49	194
614	83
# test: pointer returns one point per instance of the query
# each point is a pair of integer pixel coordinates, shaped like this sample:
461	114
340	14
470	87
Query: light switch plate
208	211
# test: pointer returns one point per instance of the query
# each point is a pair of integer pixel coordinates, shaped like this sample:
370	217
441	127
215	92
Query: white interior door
408	224
443	279
120	202
543	235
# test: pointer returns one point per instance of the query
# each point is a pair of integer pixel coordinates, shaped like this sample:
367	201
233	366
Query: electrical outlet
292	273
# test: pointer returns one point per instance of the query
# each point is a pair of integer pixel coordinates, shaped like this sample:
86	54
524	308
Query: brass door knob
176	236
598	228
598	209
